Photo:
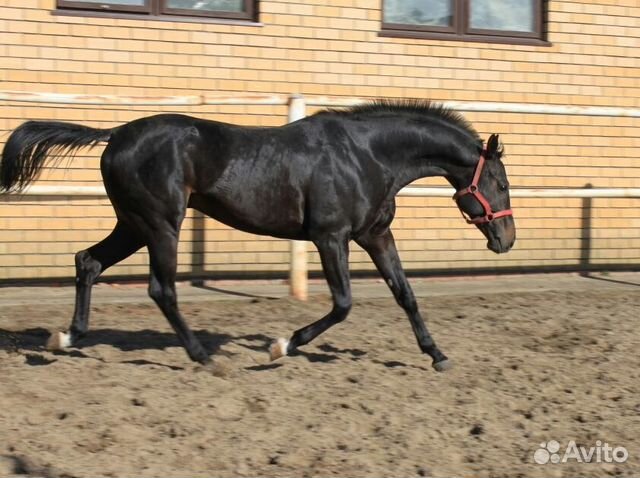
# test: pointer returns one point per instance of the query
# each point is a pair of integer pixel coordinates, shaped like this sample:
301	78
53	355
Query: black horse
329	178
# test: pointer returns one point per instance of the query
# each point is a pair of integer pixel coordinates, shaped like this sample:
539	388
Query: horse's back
254	179
293	180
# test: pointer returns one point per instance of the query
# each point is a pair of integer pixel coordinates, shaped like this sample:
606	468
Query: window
233	9
507	21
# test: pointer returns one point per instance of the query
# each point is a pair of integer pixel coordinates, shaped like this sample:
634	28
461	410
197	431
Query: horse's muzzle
500	234
499	247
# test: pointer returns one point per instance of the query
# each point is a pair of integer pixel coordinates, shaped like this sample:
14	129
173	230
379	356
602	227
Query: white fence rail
297	110
335	101
419	191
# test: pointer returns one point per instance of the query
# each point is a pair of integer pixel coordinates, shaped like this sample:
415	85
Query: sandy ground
536	359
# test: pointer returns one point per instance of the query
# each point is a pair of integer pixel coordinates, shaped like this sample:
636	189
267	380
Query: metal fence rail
297	110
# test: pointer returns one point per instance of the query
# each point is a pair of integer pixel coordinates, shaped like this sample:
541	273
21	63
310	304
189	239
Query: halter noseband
489	214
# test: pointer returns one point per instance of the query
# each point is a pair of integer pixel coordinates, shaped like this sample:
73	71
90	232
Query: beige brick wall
332	47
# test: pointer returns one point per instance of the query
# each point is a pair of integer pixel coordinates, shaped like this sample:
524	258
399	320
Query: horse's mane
410	107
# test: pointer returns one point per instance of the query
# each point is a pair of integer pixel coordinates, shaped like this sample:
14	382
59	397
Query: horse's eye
503	186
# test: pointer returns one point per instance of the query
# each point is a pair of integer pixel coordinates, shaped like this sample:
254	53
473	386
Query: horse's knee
163	296
407	302
155	292
87	268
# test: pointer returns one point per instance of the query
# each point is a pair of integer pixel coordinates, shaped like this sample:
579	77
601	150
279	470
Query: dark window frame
158	9
461	29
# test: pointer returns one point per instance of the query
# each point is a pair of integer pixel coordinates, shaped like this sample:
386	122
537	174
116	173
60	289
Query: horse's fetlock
77	332
202	358
197	353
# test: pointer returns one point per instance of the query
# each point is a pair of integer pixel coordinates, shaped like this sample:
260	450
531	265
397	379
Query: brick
332	48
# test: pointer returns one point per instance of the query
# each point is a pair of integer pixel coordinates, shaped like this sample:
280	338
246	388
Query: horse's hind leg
163	251
334	253
90	263
383	252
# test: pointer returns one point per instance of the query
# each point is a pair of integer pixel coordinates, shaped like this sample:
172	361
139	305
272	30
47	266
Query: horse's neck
440	152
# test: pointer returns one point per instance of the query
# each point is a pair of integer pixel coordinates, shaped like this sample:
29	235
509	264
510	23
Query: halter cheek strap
489	214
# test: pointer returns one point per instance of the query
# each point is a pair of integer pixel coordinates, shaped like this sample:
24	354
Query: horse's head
486	200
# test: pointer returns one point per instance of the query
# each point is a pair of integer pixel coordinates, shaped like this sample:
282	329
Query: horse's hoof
278	349
59	341
218	368
443	365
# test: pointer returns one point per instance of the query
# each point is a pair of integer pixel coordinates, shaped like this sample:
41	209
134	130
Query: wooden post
298	283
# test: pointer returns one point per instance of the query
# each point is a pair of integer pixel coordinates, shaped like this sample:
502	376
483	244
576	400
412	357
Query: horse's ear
493	146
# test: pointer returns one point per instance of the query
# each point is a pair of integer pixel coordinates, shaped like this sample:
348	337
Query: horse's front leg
383	252
334	254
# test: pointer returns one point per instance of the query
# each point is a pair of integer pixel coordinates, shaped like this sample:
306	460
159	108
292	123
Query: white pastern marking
58	341
64	339
279	348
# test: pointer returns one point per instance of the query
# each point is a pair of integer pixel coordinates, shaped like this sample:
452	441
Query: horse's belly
282	219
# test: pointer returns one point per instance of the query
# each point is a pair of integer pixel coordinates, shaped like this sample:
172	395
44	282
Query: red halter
472	189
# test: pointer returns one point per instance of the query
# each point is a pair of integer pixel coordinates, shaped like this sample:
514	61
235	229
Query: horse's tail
31	143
